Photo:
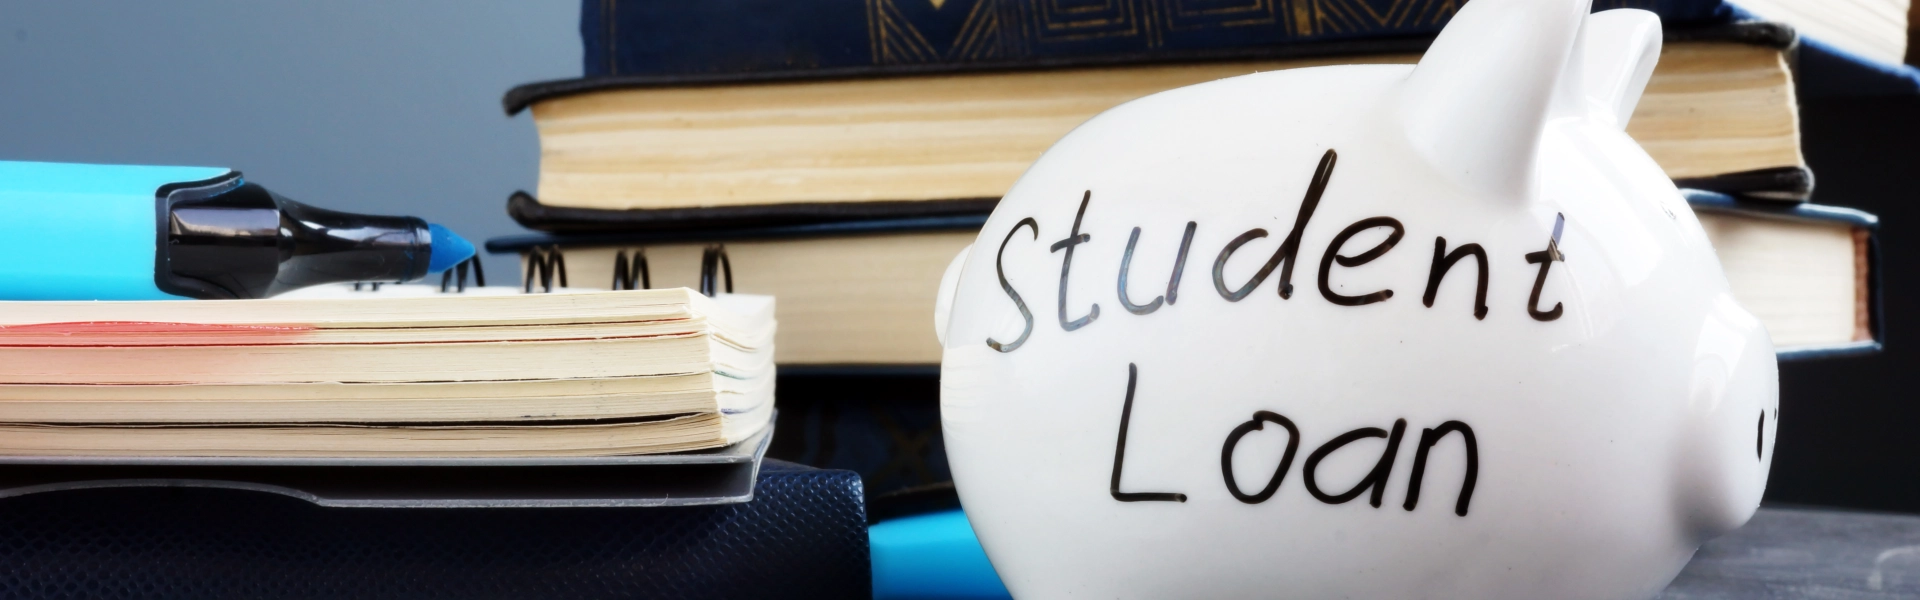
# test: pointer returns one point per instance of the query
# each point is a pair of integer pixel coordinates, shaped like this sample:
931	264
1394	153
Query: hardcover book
862	292
741	113
1719	113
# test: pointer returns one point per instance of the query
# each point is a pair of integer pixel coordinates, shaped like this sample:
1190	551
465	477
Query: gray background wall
379	106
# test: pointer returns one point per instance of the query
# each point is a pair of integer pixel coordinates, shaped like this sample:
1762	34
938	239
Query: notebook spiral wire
629	274
456	277
714	261
544	262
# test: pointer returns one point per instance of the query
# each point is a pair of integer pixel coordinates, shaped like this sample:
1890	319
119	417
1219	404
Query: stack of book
846	150
455	375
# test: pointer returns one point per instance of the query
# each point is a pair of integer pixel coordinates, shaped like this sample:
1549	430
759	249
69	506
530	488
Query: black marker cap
248	242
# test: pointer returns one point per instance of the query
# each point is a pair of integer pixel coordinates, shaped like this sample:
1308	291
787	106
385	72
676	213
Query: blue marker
114	232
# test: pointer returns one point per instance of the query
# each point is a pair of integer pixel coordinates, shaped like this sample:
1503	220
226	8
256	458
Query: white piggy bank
1440	331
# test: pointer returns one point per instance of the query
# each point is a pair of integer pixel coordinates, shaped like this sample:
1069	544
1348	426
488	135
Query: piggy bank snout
1732	415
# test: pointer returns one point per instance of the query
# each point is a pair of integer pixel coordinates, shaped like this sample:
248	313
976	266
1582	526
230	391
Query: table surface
1807	554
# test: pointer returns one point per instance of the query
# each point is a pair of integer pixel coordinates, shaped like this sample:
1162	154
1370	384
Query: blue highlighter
117	232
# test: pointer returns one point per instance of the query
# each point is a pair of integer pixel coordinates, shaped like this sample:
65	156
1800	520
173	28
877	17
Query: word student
1284	259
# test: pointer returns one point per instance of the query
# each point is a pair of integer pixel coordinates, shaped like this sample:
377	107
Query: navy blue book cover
803	536
678	38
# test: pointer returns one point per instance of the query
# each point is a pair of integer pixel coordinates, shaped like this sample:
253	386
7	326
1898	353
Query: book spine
662	38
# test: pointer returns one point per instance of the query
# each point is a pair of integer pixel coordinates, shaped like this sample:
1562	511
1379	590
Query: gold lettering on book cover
983	33
1075	20
1187	15
1328	17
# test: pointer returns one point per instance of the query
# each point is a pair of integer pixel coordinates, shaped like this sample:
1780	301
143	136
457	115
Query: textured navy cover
883	423
1827	71
683	37
803	536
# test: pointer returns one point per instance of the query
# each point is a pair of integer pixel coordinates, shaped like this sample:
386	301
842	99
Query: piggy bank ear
1475	106
1610	67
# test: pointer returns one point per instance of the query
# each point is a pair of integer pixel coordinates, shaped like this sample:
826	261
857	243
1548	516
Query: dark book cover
530	213
662	37
803	535
632	44
638	43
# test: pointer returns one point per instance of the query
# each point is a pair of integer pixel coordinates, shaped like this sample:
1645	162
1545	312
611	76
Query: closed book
745	112
803	535
1809	272
863	292
1718	113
